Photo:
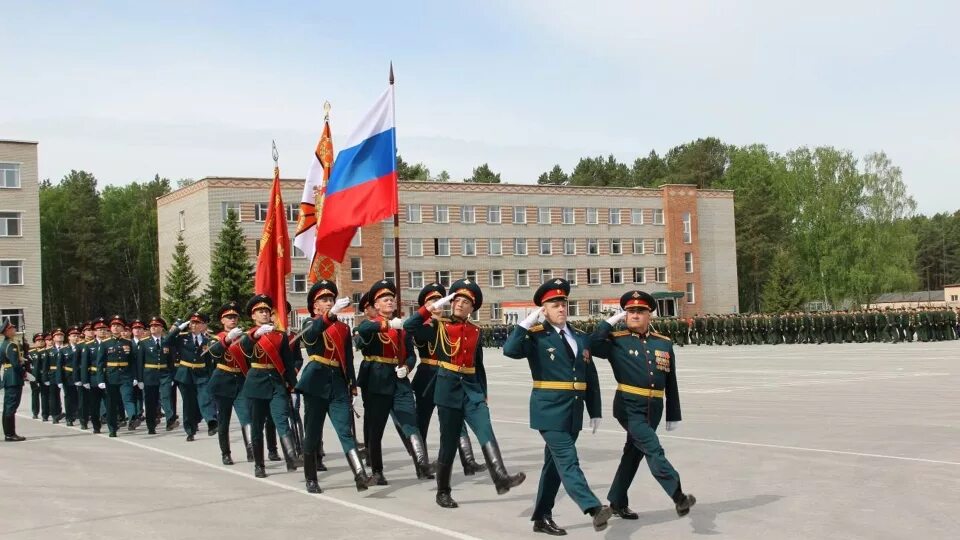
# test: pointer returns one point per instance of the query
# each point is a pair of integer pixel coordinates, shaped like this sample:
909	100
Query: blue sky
126	90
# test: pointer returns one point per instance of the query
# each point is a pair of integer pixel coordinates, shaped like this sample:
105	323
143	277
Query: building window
546	246
260	211
356	269
593	246
543	215
9	175
388	246
293	213
569	246
660	247
520	214
441	246
475	315
658	216
443	214
182	216
688	262
416	279
636	216
567	214
299	283
593	216
496	312
443	278
593	276
616	276
691	296
295	252
639	275
594	307
519	246
523	279
414	214
231	206
573	308
493	214
616	246
416	247
638	246
496	246
687	229
468	214
389	276
661	274
469	247
954	297
496	278
10	223
614	216
546	275
471	275
355	297
357	240
11	272
14	315
571	275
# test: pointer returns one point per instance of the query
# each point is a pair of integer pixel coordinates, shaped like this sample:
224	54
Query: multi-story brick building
676	241
20	267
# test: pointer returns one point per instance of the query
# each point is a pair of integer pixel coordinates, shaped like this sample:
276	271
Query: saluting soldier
14	375
564	380
388	358
192	372
94	375
155	375
116	355
645	367
328	383
70	374
264	356
226	383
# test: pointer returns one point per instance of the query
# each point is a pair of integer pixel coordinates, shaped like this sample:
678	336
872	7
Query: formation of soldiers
119	374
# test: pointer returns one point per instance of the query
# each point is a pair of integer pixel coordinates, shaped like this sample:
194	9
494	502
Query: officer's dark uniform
226	385
12	363
328	384
115	355
644	366
384	349
70	376
93	375
192	371
30	366
155	371
54	376
459	390
564	380
43	376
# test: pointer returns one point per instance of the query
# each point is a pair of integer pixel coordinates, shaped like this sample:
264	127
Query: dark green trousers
11	400
477	415
277	408
315	412
561	465
642	441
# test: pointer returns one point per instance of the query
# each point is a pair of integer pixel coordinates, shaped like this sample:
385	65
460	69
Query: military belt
636	390
155	366
257	365
382	359
117	364
68	369
229	369
324	360
429	361
457	368
92	369
7	365
192	365
559	385
52	368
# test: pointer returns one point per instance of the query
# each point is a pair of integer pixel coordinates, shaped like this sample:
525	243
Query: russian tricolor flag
363	185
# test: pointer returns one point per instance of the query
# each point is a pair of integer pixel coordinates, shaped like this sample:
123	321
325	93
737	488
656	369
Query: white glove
594	425
31	378
135	382
78	383
532	318
46	383
60	386
396	323
339	305
402	372
102	386
86	386
443	301
673	425
263	330
612	321
233	334
184	325
140	385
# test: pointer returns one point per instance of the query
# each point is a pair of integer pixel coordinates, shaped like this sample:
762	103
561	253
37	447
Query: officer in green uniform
564	380
427	370
192	370
116	356
264	355
459	387
155	375
328	383
55	375
226	381
40	371
70	375
638	404
30	370
14	376
388	357
92	376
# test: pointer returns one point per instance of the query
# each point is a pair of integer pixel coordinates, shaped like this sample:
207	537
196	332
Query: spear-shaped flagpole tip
326	110
391	72
276	155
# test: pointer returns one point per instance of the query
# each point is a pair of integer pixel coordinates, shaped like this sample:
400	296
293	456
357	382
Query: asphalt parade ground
777	442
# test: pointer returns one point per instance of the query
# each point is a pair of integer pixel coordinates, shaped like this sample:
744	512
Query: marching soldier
460	385
155	376
55	376
94	375
40	372
192	372
638	404
30	370
564	380
226	383
14	376
328	383
137	333
70	374
388	358
116	355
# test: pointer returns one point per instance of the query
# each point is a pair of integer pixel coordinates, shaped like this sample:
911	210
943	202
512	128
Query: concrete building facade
21	287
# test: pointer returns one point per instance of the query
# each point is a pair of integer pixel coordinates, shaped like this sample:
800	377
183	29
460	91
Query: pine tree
182	281
230	269
782	291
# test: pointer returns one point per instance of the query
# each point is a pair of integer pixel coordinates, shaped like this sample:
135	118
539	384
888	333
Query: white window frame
8	171
471	275
292	212
593	307
615	216
688	262
416	279
390	275
636	216
546	275
519	243
227	206
691	293
545	243
570	243
616	276
18	218
298	283
570	274
295	252
619	246
687	228
522	278
564	213
593	276
638	242
496	311
498	242
595	243
182	218
260	210
661	271
6	269
494	214
660	246
444	277
658	216
14	315
544	211
573	308
521	212
414	211
442	214
593	216
470	251
468	214
642	272
442	247
389	249
496	275
415	247
358	269
357	240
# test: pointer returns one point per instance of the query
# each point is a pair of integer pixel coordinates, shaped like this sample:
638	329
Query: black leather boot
683	501
212	428
624	512
223	437
289	453
259	470
360	477
420	459
10	430
469	462
498	471
547	526
310	473
271	435
246	431
444	500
